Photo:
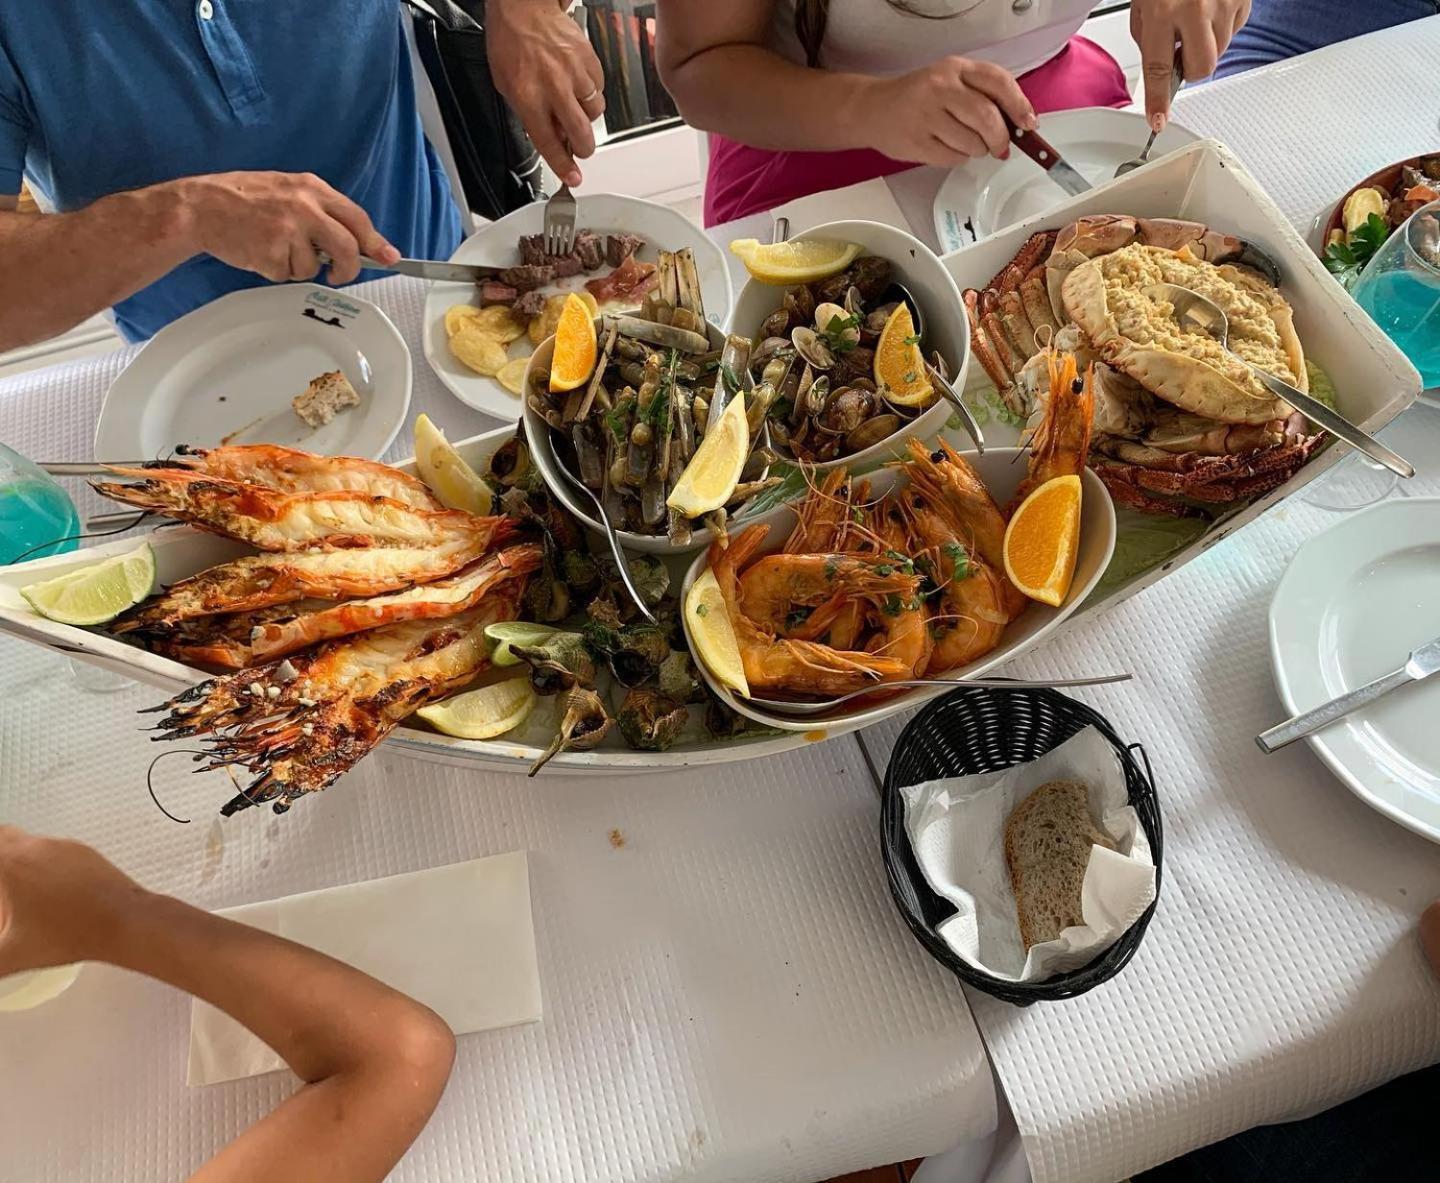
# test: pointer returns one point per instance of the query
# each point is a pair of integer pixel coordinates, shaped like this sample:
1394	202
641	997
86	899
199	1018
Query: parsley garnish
615	422
893	605
959	559
832	565
701	609
913	339
837	332
1345	260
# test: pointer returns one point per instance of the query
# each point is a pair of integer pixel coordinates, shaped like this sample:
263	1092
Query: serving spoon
1193	310
784	706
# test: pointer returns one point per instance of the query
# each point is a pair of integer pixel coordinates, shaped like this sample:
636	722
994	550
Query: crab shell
1183	381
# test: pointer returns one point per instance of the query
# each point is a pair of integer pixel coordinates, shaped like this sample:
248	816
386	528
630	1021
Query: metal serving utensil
782	706
617	551
1177	77
1199	312
947	390
1423	662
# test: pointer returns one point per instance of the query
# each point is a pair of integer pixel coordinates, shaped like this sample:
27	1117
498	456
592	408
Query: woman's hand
545	68
59	901
1202	28
944	113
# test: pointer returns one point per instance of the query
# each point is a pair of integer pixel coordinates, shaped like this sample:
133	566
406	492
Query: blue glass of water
37	517
1400	289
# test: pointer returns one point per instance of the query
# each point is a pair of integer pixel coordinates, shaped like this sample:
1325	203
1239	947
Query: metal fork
560	222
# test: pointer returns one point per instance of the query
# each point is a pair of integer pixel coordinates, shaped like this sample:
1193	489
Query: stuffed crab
1179	420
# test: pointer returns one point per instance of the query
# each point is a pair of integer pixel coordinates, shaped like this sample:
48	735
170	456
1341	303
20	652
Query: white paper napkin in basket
956	828
459	939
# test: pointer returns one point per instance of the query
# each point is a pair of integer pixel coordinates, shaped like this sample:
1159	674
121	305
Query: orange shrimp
290	470
771	663
1060	445
269	640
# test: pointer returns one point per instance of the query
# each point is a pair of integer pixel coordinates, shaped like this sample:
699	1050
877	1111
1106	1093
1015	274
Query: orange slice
899	364
1042	539
575	352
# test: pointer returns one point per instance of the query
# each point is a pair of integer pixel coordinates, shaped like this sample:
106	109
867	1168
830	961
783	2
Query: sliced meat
589	249
527	306
565	265
492	292
532	250
628	282
619	247
528	276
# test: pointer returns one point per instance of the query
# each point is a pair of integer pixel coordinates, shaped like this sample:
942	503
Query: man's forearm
737	90
58	269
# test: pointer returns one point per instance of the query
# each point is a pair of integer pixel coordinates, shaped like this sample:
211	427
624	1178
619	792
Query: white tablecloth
728	995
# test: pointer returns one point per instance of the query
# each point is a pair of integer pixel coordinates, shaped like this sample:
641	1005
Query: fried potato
498	322
478	350
545	324
512	374
458	316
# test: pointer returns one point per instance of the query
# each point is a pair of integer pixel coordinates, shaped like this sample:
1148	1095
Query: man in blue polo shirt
191	147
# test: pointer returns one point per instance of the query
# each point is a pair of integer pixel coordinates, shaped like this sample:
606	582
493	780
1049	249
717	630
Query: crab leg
984	349
1036	247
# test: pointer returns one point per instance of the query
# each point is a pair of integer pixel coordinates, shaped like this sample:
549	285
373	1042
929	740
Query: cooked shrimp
944	483
290	470
1060	444
269	640
278	521
773	589
901	625
968	597
302	722
262	581
771	663
822	519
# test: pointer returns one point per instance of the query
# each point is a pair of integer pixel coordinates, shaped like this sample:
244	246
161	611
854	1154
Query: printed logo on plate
331	308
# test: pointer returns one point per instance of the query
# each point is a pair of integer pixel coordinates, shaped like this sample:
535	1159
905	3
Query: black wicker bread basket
984	730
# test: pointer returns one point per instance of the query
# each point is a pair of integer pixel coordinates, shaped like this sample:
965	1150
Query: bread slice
1047	848
324	398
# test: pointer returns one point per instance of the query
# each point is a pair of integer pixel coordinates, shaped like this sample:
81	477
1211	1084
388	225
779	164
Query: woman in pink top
804	95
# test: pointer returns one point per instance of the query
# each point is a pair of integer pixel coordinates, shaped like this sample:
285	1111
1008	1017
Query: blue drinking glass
37	517
1400	289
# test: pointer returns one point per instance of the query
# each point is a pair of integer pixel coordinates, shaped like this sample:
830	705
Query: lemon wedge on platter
712	635
709	480
798	260
455	483
98	593
484	713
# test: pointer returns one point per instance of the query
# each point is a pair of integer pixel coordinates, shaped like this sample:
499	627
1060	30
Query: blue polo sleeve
14	128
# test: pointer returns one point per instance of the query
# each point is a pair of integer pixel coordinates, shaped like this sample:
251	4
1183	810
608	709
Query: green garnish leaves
913	339
701	609
837	333
959	559
1345	260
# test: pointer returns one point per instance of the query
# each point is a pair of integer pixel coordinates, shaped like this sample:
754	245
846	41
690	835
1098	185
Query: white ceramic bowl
497	243
542	450
919	269
1002	470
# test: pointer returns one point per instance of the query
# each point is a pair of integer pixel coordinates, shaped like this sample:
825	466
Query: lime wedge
800	260
455	483
515	632
484	713
711	636
98	593
713	472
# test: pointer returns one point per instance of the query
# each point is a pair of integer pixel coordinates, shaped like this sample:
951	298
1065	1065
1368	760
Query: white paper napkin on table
956	828
459	939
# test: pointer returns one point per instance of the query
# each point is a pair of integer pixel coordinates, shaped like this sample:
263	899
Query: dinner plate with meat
477	337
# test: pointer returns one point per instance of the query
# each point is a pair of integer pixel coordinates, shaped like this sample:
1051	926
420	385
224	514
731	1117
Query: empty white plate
225	374
1351	606
987	195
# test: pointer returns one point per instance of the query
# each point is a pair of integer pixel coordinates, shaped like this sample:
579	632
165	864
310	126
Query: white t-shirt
896	36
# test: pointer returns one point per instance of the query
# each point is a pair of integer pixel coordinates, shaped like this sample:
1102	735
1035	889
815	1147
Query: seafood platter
774	569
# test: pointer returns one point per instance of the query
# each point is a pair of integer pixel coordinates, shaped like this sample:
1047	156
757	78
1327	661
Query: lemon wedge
484	713
713	472
515	632
454	482
95	594
711	636
800	260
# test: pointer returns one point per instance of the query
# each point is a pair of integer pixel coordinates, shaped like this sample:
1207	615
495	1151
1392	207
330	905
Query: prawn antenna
150	780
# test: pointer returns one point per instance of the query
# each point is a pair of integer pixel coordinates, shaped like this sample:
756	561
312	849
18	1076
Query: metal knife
426	268
1042	153
1423	662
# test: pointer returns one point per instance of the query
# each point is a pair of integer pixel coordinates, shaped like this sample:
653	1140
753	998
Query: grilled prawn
300	723
263	581
290	470
256	638
276	521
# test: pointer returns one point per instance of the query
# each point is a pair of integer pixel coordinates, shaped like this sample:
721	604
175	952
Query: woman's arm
715	61
374	1062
